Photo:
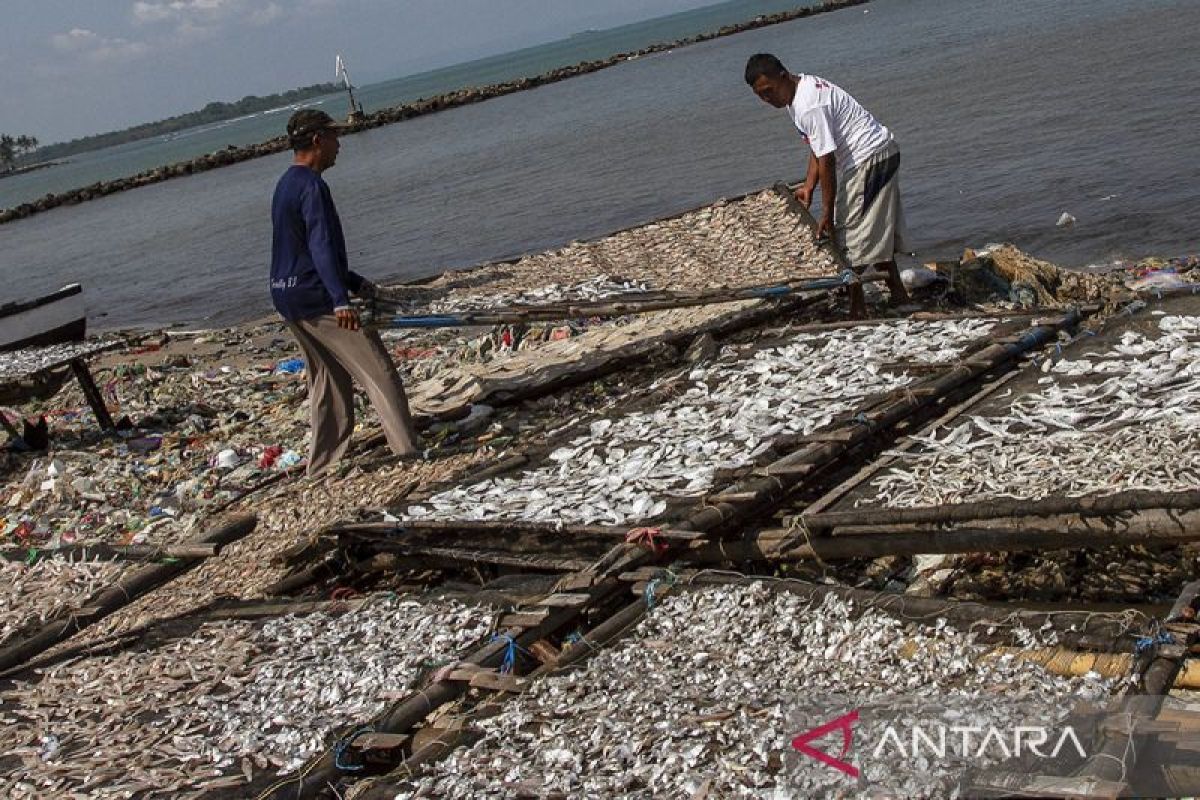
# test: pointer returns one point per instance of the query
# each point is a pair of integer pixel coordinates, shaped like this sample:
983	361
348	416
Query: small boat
54	318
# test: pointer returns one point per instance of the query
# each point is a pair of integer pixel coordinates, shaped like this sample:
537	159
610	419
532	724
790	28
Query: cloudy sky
73	67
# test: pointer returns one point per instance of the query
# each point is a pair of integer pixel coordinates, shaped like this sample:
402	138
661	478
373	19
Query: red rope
648	538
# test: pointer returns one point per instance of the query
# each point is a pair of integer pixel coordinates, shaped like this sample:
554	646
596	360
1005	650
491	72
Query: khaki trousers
334	358
869	214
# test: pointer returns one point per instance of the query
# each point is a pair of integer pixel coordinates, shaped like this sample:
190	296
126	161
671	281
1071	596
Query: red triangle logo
844	723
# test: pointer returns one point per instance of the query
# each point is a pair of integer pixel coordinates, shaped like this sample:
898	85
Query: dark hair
763	64
302	142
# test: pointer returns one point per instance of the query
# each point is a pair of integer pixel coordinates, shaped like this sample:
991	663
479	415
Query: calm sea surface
1007	114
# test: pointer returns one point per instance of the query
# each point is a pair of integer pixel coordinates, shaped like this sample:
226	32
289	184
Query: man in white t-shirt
854	160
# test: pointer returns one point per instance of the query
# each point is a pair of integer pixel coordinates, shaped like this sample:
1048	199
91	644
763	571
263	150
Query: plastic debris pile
225	704
194	435
624	469
698	701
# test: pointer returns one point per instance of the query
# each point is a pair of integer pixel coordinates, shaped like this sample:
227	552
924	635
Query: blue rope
342	746
1145	643
510	653
573	638
861	418
665	578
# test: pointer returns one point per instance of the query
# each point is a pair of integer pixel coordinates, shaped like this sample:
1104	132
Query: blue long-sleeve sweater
310	273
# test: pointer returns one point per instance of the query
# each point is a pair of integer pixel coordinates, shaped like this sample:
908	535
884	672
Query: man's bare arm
827	176
804	193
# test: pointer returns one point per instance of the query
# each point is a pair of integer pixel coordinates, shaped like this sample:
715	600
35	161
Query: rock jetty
443	102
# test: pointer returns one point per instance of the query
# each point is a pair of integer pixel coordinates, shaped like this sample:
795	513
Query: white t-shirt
832	121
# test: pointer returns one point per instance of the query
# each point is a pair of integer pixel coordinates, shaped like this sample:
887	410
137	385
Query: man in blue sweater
310	284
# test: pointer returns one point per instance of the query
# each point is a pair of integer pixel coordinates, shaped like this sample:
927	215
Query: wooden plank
523	619
92	394
380	741
565	600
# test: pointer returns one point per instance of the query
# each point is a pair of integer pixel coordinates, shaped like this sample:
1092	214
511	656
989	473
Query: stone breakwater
461	97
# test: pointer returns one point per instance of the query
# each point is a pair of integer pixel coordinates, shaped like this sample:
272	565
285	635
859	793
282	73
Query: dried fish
709	703
48	587
197	708
627	468
1105	422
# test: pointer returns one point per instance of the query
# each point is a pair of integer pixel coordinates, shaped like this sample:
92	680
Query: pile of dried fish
699	702
31	593
601	287
625	468
753	241
27	361
215	708
1104	422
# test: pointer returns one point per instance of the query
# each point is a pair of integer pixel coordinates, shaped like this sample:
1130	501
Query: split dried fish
626	469
40	591
28	360
1105	422
700	695
200	708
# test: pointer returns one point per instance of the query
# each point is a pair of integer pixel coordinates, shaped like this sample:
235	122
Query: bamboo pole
836	494
380	316
107	552
778	544
1077	663
1089	505
117	596
602	635
502	528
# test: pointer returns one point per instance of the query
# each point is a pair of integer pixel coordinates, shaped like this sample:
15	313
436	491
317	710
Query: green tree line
14	148
213	112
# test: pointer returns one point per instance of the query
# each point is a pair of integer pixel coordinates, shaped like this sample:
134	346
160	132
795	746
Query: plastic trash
291	366
1157	279
227	459
480	414
1065	221
289	459
270	456
920	277
145	444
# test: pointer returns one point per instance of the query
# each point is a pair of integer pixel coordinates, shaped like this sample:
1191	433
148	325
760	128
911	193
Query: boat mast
356	110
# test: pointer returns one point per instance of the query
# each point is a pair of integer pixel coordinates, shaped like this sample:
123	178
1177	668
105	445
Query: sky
75	67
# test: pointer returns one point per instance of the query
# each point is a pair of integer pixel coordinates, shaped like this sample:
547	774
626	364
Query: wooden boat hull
51	319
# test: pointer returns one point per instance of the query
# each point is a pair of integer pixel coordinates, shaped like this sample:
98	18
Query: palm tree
8	151
14	148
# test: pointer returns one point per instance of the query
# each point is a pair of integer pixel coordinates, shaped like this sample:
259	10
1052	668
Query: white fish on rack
699	695
629	468
1127	418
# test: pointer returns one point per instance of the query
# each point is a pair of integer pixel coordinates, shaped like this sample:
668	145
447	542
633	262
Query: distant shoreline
461	97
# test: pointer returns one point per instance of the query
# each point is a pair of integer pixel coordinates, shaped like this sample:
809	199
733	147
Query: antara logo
937	741
845	724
